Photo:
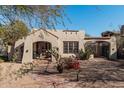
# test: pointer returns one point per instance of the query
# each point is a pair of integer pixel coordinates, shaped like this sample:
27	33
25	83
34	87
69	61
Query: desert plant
66	62
54	52
84	55
15	56
70	63
88	52
25	68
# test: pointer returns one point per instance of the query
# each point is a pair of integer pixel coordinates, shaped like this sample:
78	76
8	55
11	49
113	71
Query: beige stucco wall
70	36
113	46
35	37
56	39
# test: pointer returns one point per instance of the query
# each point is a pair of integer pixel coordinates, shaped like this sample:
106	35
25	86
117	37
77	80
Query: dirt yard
96	73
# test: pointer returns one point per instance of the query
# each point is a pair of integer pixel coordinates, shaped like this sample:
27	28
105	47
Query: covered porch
99	48
103	46
40	49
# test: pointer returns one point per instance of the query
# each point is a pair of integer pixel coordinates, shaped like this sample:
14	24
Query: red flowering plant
72	63
75	64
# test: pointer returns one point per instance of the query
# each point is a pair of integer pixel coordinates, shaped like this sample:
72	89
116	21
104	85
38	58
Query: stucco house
68	43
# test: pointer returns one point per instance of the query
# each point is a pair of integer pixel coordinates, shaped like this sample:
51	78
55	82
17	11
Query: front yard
96	73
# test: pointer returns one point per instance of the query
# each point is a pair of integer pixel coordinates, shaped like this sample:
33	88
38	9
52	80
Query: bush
14	57
25	68
85	55
82	55
3	58
67	62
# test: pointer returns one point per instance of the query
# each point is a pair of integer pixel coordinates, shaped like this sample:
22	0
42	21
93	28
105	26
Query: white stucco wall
113	48
70	36
56	39
35	37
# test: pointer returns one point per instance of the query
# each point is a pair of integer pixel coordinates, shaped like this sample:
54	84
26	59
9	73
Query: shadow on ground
92	74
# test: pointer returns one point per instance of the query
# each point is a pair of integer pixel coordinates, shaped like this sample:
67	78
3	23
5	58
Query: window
70	47
75	47
65	47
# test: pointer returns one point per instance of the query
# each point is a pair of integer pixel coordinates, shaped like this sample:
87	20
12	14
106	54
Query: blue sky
94	19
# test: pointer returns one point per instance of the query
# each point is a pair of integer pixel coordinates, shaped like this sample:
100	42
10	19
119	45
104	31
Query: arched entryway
40	49
105	49
19	50
99	48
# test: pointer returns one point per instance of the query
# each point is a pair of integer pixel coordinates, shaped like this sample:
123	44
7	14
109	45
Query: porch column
81	44
28	52
113	49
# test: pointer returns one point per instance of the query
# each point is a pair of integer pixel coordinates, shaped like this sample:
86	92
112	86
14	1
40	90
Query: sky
94	19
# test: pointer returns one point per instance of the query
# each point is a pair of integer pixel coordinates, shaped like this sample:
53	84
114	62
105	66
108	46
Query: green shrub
3	58
84	55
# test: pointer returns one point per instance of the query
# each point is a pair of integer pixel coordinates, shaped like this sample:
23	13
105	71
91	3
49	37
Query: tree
10	33
43	16
107	33
122	30
13	20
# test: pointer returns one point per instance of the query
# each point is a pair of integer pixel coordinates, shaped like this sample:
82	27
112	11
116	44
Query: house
119	40
67	42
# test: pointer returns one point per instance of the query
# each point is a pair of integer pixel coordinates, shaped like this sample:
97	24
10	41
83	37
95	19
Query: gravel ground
95	73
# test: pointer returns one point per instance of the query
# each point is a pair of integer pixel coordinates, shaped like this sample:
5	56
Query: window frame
70	48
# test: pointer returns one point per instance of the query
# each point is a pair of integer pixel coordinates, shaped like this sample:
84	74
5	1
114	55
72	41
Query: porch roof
97	38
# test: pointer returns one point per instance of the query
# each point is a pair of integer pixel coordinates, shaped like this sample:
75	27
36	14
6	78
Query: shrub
70	63
66	62
14	57
25	68
84	55
3	58
54	52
